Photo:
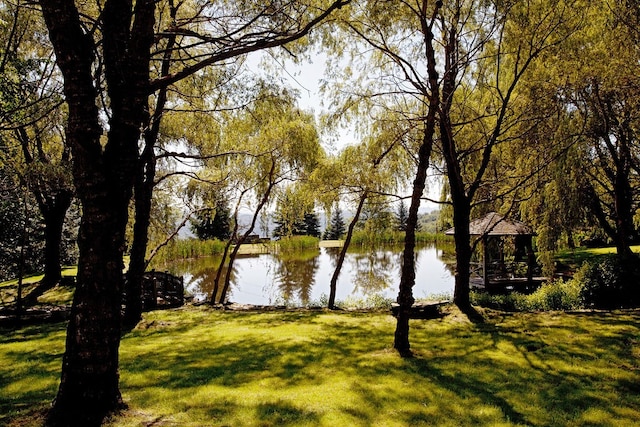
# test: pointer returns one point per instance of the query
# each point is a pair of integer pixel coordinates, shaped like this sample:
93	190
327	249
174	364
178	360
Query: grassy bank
574	258
195	366
386	237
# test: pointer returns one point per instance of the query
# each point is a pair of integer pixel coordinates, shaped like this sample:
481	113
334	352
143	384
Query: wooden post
485	260
530	259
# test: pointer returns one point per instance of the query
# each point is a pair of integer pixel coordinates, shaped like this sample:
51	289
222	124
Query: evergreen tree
336	226
213	223
311	224
307	226
401	216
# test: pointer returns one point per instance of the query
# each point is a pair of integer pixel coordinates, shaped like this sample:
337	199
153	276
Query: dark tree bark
103	177
272	182
615	168
104	168
53	196
143	195
53	214
343	252
431	92
405	298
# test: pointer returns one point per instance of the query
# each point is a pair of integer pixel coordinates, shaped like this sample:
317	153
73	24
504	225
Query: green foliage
376	216
15	214
370	302
402	214
295	212
554	295
190	248
608	284
213	223
362	237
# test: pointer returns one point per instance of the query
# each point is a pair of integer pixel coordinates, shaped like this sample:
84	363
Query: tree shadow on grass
525	370
538	375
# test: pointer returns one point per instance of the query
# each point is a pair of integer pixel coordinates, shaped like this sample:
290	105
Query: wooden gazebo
494	226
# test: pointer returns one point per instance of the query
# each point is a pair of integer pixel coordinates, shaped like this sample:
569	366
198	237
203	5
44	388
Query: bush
514	301
554	295
606	284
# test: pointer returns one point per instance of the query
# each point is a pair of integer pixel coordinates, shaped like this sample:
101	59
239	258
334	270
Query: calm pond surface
303	278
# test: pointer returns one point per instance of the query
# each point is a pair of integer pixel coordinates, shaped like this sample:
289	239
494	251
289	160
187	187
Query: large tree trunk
103	175
343	253
89	383
625	232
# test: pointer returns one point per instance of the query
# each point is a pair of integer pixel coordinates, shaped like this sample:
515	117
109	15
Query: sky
306	79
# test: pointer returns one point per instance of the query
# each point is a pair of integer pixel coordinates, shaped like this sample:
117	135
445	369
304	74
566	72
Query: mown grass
574	258
197	366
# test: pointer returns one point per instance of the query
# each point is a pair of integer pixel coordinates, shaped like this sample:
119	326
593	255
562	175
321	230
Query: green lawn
199	367
574	258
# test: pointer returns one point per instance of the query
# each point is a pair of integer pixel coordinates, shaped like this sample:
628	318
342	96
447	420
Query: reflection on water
303	278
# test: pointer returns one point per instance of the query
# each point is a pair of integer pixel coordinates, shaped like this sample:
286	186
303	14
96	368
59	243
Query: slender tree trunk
143	194
343	252
234	253
54	214
103	175
23	244
408	274
216	281
227	247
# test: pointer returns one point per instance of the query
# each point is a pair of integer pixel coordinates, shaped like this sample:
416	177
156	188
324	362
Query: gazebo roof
494	224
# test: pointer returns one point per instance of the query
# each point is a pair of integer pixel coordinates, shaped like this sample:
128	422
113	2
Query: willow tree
31	127
604	98
360	172
461	61
592	83
398	73
487	49
279	144
106	52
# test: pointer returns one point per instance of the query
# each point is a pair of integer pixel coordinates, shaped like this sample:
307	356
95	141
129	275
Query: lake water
303	278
